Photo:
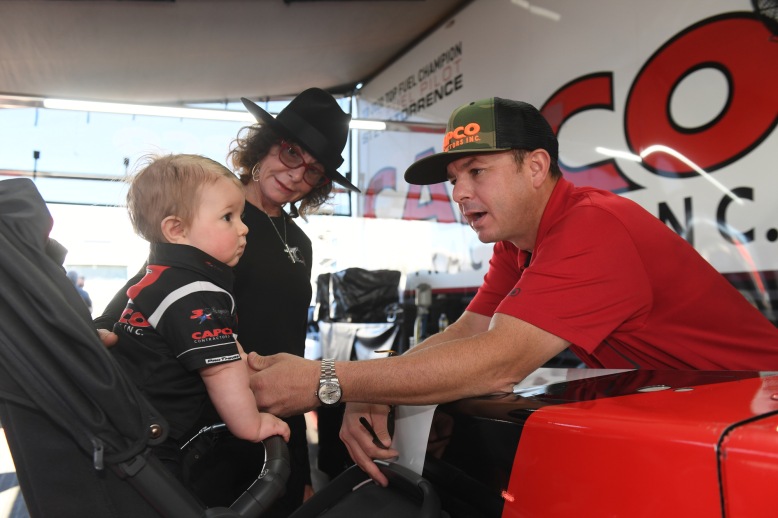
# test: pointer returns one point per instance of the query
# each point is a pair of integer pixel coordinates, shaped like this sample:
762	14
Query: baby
176	335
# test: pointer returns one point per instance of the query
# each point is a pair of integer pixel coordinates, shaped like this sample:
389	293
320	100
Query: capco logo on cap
461	135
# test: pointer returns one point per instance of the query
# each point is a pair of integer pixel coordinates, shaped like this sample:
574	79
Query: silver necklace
292	251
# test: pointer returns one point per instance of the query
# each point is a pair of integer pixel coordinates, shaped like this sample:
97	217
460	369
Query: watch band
328	370
329	392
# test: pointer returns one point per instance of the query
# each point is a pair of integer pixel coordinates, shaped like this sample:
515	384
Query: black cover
47	336
358	295
67	409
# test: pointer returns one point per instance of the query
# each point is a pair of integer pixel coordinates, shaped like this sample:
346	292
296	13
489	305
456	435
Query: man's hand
359	441
284	384
108	338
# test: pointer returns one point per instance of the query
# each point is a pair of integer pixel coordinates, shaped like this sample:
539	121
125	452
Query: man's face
496	197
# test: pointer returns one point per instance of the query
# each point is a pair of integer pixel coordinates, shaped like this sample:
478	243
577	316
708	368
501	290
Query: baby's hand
271	425
108	338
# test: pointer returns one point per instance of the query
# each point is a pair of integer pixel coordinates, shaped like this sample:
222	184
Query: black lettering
431	98
390	95
439	62
666	216
725	229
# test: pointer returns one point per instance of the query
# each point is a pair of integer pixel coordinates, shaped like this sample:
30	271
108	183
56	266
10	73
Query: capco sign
737	45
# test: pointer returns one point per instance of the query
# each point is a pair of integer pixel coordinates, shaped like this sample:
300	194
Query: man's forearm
411	378
469	325
489	362
438	373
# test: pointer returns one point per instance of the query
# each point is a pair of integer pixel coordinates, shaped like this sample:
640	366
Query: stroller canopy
49	346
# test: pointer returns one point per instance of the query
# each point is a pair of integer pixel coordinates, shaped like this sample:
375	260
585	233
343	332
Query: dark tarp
358	295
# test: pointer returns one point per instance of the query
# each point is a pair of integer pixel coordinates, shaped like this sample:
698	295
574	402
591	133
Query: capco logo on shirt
461	135
201	315
212	333
133	318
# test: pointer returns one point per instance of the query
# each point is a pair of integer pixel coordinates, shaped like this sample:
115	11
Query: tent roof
176	51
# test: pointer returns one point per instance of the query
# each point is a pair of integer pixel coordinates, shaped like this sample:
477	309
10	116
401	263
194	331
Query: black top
272	296
180	318
272	293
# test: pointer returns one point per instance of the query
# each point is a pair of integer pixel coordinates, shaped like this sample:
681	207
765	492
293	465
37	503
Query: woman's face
277	184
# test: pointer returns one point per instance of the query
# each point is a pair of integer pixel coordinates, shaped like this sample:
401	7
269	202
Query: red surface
750	470
648	455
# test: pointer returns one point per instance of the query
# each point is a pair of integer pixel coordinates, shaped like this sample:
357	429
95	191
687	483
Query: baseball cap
486	126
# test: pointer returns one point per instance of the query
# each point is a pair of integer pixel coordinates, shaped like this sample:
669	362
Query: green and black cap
486	126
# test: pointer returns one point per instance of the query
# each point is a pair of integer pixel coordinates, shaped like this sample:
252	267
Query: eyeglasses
292	157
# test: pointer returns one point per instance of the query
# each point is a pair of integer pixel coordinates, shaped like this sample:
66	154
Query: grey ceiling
177	51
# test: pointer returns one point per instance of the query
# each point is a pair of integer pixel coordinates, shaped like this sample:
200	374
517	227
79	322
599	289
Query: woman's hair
169	185
251	146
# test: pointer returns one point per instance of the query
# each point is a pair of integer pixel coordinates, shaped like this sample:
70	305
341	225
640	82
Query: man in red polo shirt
572	267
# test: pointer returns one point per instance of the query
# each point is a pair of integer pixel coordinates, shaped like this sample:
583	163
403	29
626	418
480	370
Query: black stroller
78	430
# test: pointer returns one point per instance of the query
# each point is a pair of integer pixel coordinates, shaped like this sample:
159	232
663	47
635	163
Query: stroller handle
271	482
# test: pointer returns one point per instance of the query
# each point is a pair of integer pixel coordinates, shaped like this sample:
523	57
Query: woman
288	160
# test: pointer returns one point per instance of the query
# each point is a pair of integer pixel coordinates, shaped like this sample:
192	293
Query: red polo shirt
625	290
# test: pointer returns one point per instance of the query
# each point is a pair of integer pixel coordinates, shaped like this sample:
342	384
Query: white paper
412	426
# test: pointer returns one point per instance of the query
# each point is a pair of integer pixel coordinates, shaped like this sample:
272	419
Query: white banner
672	103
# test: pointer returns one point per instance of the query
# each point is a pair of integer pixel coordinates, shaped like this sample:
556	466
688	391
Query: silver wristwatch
329	392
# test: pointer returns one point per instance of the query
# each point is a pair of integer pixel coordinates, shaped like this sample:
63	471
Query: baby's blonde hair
170	185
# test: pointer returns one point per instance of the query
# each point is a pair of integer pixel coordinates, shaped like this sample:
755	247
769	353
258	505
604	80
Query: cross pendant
294	254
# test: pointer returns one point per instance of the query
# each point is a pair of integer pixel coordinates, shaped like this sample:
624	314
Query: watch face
329	393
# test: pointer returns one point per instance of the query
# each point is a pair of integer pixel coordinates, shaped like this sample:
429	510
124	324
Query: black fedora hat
314	120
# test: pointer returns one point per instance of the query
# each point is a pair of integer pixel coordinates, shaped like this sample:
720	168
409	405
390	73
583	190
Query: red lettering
384	179
738	45
125	315
590	92
134	318
211	333
439	205
437	208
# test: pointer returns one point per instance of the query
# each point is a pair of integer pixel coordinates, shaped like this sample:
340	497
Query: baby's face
217	228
